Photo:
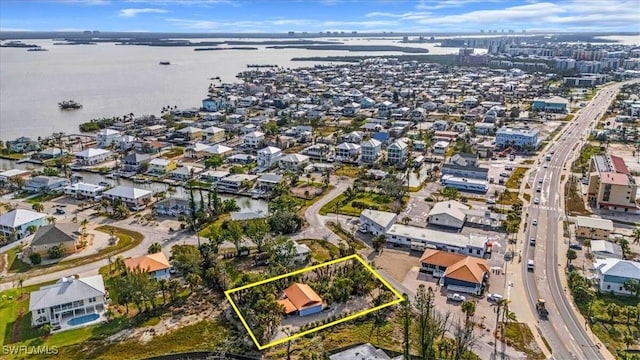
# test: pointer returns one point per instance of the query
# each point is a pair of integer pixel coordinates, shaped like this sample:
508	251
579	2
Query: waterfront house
161	166
172	207
69	299
301	299
348	152
612	274
92	157
51	153
45	184
253	139
23	145
15	224
48	236
213	135
457	272
132	162
84	191
6	176
268	157
371	151
213	176
449	213
236	183
215	104
397	152
184	173
134	198
107	137
293	162
154	130
268	181
157	265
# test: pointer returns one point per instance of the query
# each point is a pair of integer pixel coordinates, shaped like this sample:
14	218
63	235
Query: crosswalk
542	207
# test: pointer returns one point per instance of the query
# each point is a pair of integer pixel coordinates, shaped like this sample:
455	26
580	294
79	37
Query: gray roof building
55	234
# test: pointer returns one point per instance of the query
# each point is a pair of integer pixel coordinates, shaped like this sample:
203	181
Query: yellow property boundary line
228	293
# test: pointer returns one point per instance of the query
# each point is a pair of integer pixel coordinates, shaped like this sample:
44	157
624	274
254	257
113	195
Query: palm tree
636	236
51	219
20	283
163	284
37	207
194	280
378	242
468	308
612	310
405	220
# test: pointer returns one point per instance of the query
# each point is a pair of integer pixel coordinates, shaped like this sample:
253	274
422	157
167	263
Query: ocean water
114	80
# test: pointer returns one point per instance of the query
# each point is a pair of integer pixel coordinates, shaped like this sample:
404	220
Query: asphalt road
566	336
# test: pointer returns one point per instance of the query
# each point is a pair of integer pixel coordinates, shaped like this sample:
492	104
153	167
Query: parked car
362	229
60	211
508	256
491	201
575	246
536	201
494	297
456	297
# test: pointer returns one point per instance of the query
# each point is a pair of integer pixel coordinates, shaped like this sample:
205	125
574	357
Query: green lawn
14	264
372	201
581	165
42	198
520	337
346	170
321	250
10	156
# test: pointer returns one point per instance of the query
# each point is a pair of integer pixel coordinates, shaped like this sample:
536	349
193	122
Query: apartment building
611	185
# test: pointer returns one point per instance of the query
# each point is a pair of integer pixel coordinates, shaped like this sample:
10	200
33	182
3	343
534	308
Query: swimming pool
83	319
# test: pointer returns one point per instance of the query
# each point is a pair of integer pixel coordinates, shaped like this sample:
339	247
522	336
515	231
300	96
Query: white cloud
136	12
193	24
443	4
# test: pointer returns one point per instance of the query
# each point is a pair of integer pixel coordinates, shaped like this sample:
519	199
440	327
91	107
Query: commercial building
603	249
593	228
554	104
464	184
611	274
448	214
415	237
611	185
517	138
377	222
457	272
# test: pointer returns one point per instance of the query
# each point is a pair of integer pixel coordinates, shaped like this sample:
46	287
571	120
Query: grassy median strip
516	177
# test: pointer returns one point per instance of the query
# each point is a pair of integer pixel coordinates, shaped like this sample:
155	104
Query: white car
494	297
534	222
456	297
536	201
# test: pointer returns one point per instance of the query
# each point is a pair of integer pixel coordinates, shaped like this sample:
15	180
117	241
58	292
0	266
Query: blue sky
319	15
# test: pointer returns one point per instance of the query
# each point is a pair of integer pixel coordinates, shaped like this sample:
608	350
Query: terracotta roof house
302	299
156	265
457	272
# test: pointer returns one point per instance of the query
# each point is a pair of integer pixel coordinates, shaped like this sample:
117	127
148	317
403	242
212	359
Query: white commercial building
448	213
377	222
409	236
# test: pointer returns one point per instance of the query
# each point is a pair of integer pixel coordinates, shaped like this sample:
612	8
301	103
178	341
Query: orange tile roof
440	258
150	263
288	306
471	270
301	296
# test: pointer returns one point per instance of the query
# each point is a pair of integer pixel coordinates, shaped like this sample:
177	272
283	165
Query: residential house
172	207
457	272
268	181
413	236
45	184
519	138
319	151
612	274
377	222
191	133
440	125
351	109
469	102
213	176
452	168
157	265
15	224
593	228
6	176
603	249
448	214
397	152
51	153
371	151
301	299
352	137
384	108
254	139
134	198
184	173
418	114
48	236
440	147
293	162
219	150
67	299
268	157
611	185
213	135
363	351
92	157
161	166
302	253
23	145
133	161
236	183
241	159
108	138
85	191
348	152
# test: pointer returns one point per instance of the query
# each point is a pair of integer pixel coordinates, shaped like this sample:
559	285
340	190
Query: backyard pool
83	319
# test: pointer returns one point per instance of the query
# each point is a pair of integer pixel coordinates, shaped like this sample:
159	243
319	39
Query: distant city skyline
278	16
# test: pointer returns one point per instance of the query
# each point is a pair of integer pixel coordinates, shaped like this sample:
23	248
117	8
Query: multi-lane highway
565	335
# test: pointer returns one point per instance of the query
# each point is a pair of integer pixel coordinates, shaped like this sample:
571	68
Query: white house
15	224
448	213
62	304
84	190
440	147
603	249
134	198
268	157
92	156
371	150
45	183
293	161
302	253
253	139
107	137
377	222
613	273
348	152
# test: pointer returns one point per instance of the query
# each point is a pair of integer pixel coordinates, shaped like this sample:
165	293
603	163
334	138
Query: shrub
35	258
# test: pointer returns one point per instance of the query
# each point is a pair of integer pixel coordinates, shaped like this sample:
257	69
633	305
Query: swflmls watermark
29	350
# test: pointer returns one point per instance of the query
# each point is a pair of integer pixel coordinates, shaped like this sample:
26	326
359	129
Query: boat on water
165	63
37	49
215	78
69	105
